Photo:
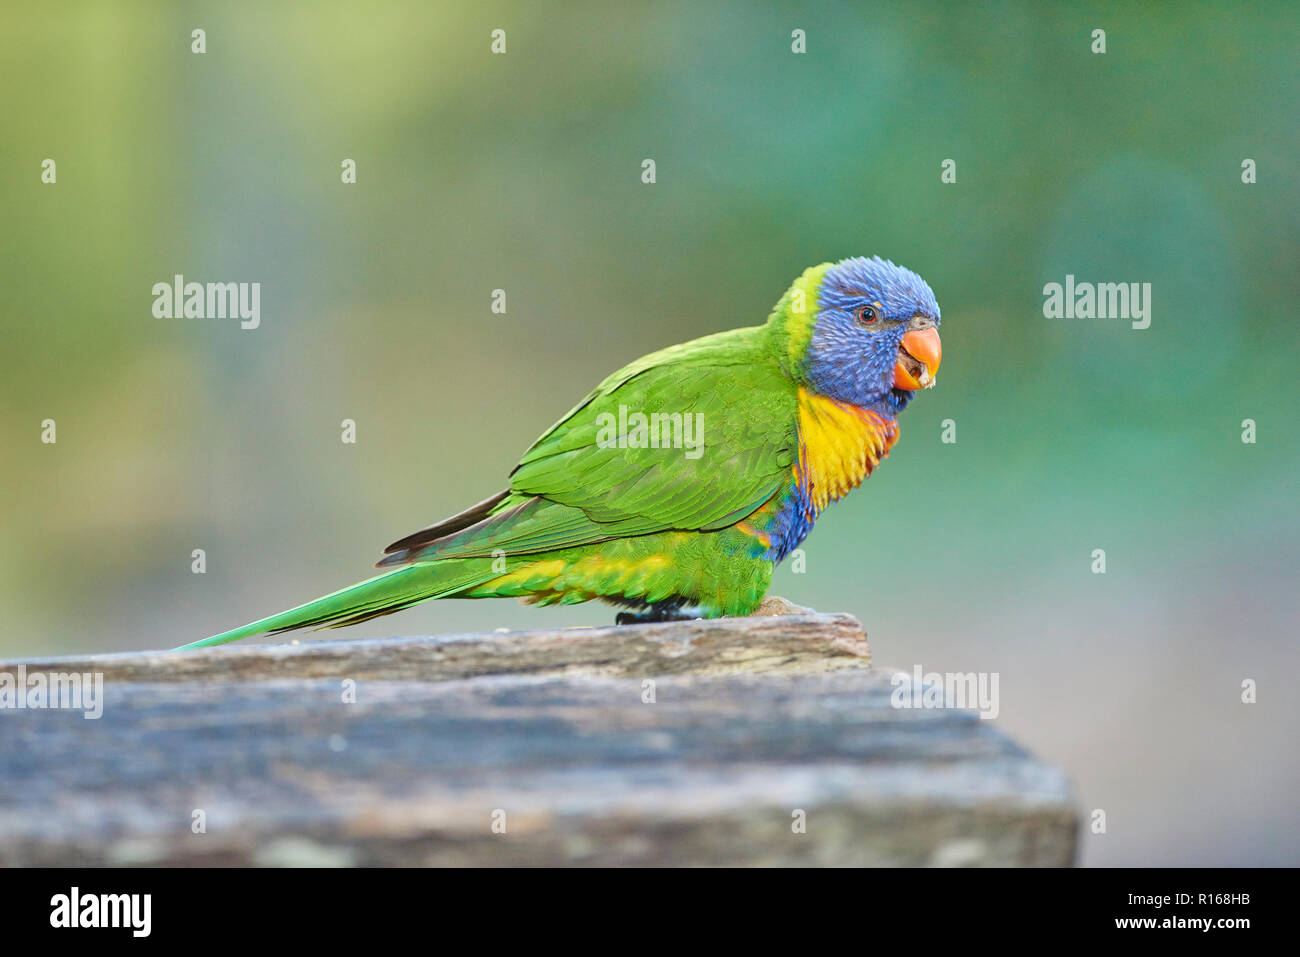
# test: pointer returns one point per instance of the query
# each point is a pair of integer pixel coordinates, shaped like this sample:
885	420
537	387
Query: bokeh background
522	172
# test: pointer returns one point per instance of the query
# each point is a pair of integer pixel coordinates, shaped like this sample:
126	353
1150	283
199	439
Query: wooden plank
435	749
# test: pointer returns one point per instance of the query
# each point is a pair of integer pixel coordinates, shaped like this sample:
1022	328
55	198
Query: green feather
376	596
572	489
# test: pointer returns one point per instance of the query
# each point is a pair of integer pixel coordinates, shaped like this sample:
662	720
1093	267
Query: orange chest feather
839	446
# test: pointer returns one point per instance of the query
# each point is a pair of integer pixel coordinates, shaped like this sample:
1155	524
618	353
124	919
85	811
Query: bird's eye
867	315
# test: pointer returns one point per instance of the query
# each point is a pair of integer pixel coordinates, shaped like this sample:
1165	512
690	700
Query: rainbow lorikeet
675	487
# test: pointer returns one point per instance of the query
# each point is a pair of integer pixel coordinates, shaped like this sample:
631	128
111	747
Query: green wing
583	483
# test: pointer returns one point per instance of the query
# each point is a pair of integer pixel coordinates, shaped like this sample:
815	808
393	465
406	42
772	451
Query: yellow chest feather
839	446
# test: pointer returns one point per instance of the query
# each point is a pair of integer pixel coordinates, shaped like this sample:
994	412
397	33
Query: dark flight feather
431	533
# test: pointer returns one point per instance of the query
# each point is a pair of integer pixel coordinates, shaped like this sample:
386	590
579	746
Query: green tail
368	599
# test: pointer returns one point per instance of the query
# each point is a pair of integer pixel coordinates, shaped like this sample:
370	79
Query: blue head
875	336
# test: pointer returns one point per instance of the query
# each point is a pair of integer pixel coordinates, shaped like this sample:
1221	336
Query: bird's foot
665	611
772	605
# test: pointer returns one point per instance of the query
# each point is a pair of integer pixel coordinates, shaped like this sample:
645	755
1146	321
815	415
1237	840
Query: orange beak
918	359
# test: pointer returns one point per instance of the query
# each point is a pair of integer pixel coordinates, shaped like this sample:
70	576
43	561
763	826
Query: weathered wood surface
752	720
721	646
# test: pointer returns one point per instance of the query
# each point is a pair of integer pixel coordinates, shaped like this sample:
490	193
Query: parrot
674	489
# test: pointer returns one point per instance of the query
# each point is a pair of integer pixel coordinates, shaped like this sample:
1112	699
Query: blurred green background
522	172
